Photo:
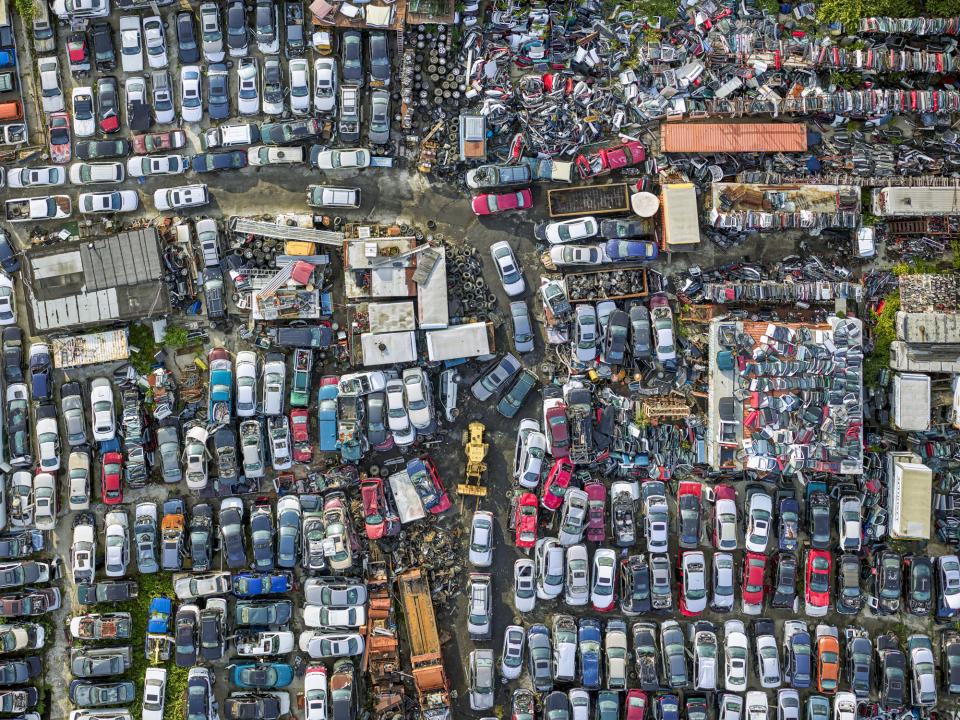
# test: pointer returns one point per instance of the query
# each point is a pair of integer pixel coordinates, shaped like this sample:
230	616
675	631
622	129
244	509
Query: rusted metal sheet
733	137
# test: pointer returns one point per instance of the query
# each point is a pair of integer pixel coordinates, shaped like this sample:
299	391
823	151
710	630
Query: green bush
846	80
141	337
884	333
25	9
175	337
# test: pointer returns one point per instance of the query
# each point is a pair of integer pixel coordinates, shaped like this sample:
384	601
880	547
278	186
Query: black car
198	696
252	706
12	354
41	373
19	446
918	584
696	707
187	47
818	520
213	642
352	54
615	337
377	433
225	448
107	592
640	332
343	692
886	577
218	94
185	635
232	542
621	229
20	670
634	585
8	256
556	703
645	655
849	596
893	671
200	534
783	594
213	161
102	40
237	28
950	662
859	665
379	50
108	104
101	149
213	293
688	520
261	536
265	22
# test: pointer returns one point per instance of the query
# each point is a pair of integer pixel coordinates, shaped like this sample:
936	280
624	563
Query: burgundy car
300	427
374	507
59	126
493	203
597	500
157	142
556	425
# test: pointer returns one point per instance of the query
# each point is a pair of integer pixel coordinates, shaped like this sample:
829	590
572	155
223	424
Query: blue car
261	675
667	707
213	161
253	584
422	482
588	637
631	250
797	660
7	59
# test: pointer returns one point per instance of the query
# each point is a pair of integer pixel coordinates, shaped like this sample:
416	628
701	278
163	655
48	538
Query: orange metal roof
733	137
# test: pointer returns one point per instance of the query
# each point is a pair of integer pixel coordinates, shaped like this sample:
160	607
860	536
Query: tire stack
465	280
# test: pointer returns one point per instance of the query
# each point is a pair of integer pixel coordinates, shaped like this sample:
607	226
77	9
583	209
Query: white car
20	515
576	590
8	306
735	652
314	693
584	341
184	196
570	230
656	523
757	705
603	579
507	268
196	455
561	255
83	550
131	43
759	508
693	567
146	166
51	93
481	539
524	585
849	520
299	73
767	657
349	159
101	409
573	516
274	381
723	583
108	202
211	32
248	86
531	450
324	84
246	370
154	690
44	176
318	644
272	155
81	9
48	444
725	521
548	555
334	616
155	39
117	543
730	707
191	99
45	501
705	660
416	391
397	419
844	705
84	112
511	659
94	173
78	471
163	106
278	432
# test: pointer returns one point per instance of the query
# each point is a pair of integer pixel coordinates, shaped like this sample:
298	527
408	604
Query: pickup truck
300	386
49	207
324	196
491	176
349	113
350	438
271	642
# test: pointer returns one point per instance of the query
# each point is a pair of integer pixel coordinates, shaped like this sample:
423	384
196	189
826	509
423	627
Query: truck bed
594	199
418	611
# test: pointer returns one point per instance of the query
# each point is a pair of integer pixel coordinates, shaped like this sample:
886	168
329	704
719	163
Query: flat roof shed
733	137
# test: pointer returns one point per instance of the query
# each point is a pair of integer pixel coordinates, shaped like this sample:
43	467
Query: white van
324	196
231	135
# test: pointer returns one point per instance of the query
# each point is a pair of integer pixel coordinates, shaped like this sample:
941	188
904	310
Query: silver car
522	332
379	117
74	415
168	447
211	33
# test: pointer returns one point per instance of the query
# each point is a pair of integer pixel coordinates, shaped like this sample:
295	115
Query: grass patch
884	333
141	337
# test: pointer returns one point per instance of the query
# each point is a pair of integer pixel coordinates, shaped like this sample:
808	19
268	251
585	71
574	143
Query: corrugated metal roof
128	258
733	137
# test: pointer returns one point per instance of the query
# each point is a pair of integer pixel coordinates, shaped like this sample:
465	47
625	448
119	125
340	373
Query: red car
59	131
374	504
597	501
299	425
557	483
157	142
634	705
619	156
526	521
818	582
754	567
444	502
493	203
111	468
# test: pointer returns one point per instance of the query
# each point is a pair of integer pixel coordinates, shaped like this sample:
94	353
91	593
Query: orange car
828	663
